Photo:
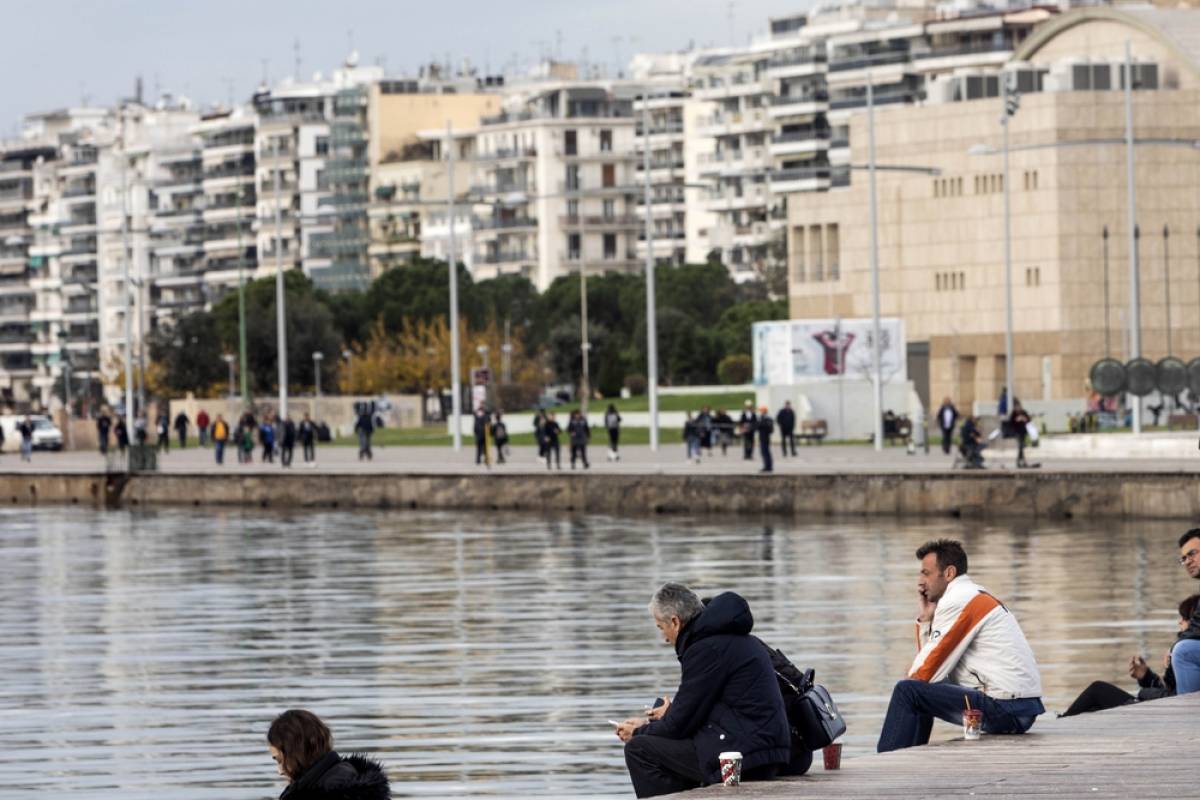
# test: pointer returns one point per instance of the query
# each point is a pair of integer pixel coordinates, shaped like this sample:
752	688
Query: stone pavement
1138	751
635	459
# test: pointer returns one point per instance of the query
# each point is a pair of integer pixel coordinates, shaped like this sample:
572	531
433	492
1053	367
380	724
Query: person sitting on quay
1185	656
971	649
1101	695
972	443
302	747
728	699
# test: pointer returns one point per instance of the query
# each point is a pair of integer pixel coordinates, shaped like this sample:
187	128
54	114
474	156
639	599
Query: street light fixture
317	358
229	359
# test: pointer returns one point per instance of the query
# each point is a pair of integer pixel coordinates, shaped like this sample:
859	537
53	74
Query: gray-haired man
728	699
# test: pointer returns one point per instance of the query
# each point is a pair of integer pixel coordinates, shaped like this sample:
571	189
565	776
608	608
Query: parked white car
45	435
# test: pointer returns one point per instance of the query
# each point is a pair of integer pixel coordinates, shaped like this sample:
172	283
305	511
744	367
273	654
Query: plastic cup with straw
972	721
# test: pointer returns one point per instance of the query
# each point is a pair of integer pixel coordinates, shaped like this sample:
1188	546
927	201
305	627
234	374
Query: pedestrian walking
612	423
786	420
766	426
162	426
246	430
723	423
181	428
287	442
122	434
308	440
266	438
500	436
580	433
1018	423
364	427
691	438
539	432
705	428
481	430
748	427
139	430
551	430
25	428
202	423
947	416
103	426
220	435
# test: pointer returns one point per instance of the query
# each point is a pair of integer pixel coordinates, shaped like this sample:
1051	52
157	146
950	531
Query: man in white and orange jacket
970	649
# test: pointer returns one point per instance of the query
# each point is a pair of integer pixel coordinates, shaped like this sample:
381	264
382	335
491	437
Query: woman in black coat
302	747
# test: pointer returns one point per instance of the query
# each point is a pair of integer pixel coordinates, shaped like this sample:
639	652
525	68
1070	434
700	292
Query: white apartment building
557	186
228	199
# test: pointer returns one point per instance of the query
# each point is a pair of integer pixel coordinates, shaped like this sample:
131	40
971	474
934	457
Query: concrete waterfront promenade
1138	751
822	480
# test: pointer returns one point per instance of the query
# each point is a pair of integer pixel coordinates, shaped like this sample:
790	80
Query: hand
657	713
925	608
625	729
1137	667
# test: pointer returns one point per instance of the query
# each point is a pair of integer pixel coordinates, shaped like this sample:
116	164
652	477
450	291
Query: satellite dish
1140	376
1171	376
1108	376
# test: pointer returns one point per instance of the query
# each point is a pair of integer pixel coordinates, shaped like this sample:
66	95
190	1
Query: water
145	654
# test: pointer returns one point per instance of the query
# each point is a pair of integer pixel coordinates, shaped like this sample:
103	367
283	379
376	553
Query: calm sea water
144	654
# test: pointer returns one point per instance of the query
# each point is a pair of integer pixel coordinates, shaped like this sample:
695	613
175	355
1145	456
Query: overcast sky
57	52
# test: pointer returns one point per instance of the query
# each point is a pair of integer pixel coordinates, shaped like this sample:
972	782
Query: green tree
735	323
189	353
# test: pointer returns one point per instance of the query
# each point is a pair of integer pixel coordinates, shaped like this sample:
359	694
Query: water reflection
478	655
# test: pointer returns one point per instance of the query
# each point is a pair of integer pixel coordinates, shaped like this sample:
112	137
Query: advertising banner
792	351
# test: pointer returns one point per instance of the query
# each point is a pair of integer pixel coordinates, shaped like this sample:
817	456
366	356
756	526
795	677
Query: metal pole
317	369
1167	282
841	368
67	402
229	363
140	311
877	353
130	413
506	351
243	373
452	257
585	385
1008	288
1107	347
1135	321
280	311
651	309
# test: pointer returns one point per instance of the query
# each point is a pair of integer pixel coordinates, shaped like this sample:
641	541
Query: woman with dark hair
302	747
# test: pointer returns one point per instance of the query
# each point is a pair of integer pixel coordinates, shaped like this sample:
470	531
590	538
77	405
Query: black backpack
812	715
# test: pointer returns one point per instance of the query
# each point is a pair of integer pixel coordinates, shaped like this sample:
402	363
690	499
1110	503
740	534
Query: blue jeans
1185	660
219	449
915	704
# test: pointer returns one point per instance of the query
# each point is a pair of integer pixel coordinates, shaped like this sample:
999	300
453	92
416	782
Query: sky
56	53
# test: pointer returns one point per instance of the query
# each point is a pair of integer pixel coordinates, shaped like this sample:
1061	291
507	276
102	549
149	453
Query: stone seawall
1045	495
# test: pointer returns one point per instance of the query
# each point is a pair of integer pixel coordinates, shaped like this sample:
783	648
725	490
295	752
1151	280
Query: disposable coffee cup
833	756
972	724
731	768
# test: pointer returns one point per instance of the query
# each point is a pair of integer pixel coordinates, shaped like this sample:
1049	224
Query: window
798	254
605	141
610	208
573	246
573	177
570	143
832	252
818	252
573	209
608	175
322	145
610	246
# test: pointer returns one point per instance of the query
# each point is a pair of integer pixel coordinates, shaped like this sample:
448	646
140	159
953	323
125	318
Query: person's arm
953	629
697	694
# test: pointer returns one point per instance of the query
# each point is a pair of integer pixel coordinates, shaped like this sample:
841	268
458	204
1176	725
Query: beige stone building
941	239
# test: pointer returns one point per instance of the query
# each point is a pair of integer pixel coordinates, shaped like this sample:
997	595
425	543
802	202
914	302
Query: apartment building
557	189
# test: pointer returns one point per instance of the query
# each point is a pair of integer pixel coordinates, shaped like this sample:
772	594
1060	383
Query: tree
735	370
736	322
188	354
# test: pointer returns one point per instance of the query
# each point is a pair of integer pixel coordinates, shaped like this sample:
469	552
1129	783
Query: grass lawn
730	401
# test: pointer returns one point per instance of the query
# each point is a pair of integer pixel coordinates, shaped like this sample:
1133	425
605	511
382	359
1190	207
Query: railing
964	50
504	258
659	129
802	136
862	62
623	220
490	223
242	170
80	191
800	174
520	152
811	97
754	116
805	57
879	100
661	164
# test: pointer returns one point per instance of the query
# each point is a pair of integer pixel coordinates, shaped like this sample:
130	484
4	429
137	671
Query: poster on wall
792	351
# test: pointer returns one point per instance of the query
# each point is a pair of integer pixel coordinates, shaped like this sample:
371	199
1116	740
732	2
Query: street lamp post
229	359
347	356
130	412
876	350
1135	313
651	309
65	358
280	311
1008	287
317	357
452	258
242	371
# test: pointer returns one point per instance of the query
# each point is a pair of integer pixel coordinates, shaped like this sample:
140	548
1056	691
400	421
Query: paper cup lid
730	755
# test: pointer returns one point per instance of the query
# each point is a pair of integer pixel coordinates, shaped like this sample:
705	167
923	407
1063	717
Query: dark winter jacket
728	697
481	426
338	778
579	431
766	426
787	421
289	433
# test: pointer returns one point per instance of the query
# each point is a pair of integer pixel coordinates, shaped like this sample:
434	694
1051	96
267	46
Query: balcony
802	142
844	103
861	61
733	162
739	85
662	163
494	223
508	154
749	197
660	129
785	181
801	105
733	123
504	258
572	222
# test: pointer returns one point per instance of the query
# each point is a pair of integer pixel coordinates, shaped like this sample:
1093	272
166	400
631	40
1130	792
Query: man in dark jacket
766	426
728	699
747	427
947	415
480	431
786	419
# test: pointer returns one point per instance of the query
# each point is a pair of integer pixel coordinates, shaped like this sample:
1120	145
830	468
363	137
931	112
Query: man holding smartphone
728	699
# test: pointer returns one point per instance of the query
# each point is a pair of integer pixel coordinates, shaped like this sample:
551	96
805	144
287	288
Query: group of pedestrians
491	431
1015	424
547	430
